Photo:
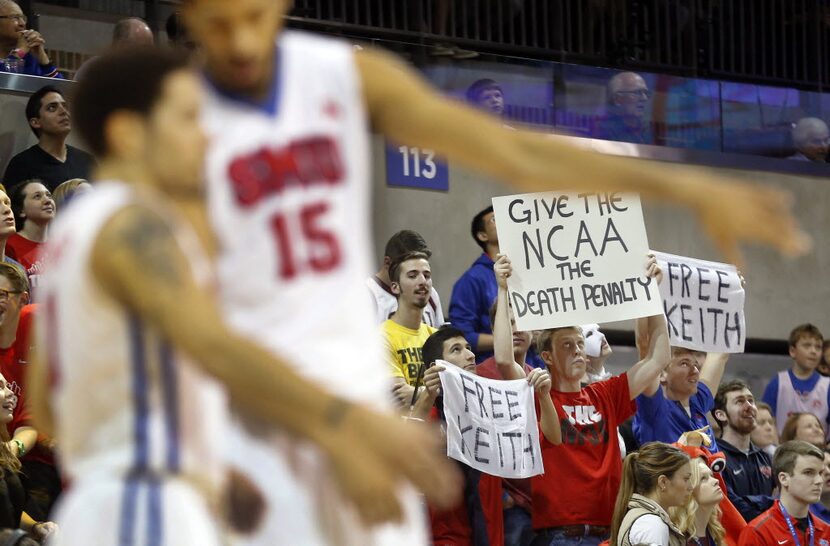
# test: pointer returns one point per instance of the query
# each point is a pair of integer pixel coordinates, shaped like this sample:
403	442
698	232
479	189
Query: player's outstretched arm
405	108
502	329
137	260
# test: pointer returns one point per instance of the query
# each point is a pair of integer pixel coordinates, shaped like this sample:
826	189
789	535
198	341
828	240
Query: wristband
21	448
17	52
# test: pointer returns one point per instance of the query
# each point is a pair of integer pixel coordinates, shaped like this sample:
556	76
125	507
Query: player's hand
403	394
734	212
503	269
432	381
245	504
44	529
653	269
539	379
372	453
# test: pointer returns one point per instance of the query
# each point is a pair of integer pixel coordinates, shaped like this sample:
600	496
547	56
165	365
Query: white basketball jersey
125	402
288	192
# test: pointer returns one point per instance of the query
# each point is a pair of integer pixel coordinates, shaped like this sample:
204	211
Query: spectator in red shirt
40	476
797	467
14	297
589	457
33	210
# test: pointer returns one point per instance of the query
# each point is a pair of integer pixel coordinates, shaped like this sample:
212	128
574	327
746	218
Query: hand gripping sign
491	424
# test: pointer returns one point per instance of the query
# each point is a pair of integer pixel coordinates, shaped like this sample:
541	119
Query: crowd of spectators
625	473
670	455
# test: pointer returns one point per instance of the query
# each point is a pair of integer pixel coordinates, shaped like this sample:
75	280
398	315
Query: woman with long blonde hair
700	517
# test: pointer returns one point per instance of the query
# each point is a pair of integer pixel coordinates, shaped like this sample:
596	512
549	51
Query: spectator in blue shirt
683	398
24	51
475	291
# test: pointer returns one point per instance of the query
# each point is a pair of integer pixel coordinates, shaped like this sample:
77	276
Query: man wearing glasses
625	119
25	50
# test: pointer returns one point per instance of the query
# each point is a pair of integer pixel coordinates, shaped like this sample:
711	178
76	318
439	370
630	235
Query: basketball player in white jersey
288	173
138	352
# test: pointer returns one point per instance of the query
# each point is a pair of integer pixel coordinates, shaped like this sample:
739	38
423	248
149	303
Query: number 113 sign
414	167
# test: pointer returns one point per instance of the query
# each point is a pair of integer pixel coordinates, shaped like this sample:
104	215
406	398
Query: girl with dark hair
34	210
656	478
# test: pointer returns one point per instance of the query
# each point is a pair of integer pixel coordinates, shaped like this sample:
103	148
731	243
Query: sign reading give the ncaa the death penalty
703	303
491	425
578	258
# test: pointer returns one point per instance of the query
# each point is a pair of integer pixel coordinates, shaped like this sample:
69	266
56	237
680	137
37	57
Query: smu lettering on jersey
125	402
288	190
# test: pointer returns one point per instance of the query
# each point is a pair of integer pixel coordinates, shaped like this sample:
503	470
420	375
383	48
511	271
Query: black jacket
749	479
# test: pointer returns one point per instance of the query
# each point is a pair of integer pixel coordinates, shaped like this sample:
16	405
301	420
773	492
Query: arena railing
762	41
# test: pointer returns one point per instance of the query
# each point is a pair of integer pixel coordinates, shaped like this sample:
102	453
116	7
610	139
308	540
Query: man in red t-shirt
40	477
588	458
797	467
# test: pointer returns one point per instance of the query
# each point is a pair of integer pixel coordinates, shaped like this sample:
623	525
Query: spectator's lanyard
810	529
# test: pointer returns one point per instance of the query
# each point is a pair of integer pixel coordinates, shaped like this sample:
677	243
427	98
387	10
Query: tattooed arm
138	261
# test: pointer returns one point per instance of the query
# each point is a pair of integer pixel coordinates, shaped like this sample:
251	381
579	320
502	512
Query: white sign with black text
704	304
578	258
491	424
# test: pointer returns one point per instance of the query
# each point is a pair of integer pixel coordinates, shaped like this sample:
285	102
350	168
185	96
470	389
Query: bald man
132	31
625	119
129	32
26	48
810	138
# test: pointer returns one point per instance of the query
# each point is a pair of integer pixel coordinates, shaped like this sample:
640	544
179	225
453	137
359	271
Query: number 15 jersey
288	193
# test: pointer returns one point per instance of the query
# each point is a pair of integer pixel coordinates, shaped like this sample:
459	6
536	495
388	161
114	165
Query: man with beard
748	473
405	332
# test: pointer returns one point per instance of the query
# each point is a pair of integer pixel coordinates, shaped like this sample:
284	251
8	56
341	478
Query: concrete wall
780	292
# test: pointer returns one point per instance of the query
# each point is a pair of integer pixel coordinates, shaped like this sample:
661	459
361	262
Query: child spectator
33	210
765	435
801	388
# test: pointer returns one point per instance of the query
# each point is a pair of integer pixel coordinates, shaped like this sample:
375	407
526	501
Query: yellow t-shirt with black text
403	347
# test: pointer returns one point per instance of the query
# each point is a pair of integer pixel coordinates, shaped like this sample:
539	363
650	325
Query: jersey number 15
314	249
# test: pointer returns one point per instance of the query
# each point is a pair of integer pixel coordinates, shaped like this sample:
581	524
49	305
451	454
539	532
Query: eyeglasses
4	294
639	93
22	18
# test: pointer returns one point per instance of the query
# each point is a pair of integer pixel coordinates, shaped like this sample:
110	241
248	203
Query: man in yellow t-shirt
405	332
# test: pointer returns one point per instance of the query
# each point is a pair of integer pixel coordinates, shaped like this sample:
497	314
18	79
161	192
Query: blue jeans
558	538
518	528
